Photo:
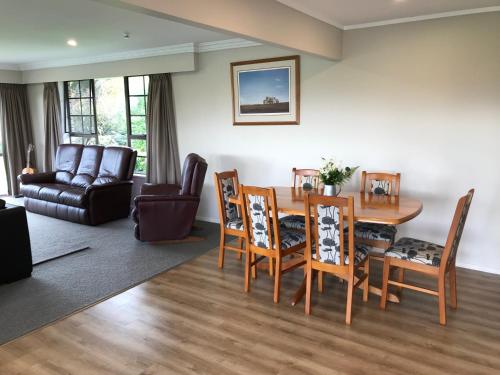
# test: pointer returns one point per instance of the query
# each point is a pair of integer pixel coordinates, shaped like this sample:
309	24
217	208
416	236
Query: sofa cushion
50	192
56	193
67	162
31	190
74	196
114	165
89	166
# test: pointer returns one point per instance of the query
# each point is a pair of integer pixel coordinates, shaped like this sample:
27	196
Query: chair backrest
308	178
456	230
67	161
380	183
259	206
193	175
227	185
325	228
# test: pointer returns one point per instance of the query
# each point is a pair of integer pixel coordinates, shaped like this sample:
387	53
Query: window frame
67	118
95	135
130	135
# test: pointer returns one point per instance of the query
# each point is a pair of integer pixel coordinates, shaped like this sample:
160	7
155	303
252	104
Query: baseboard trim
209	219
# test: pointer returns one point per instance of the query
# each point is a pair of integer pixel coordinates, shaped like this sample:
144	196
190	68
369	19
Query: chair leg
254	268
350	292
248	257
401	278
221	249
442	300
271	267
308	289
385	283
321	280
453	287
240	243
366	283
277	280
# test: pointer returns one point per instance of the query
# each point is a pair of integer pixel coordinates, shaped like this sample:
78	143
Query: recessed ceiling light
71	42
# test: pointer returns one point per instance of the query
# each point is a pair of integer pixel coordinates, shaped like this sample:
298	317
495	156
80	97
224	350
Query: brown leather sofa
91	185
166	211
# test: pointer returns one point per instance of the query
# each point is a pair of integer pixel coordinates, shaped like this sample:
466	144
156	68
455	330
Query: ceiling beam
266	21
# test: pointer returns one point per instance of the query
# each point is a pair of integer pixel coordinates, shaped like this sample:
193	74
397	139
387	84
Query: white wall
420	98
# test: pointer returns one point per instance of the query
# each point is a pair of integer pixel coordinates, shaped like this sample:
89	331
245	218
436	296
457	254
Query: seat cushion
293	222
290	238
377	232
56	193
236	224
416	251
73	196
360	253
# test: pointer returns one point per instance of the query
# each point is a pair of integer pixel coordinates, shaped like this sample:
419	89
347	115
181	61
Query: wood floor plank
196	319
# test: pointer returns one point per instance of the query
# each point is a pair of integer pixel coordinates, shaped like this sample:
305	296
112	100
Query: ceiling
33	31
349	13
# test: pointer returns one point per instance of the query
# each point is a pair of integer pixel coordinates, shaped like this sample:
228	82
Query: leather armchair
168	211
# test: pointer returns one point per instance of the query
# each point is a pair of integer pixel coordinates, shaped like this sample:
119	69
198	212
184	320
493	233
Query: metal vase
330	190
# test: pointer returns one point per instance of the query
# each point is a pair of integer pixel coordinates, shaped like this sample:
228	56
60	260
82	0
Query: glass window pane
75	107
111	114
146	84
90	140
86	107
76	124
73	89
85	88
140	146
77	140
138	124
137	105
136	85
87	124
140	165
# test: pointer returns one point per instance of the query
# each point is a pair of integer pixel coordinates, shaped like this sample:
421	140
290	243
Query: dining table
368	208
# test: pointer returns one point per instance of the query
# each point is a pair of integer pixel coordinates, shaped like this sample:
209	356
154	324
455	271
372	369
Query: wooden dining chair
230	219
306	179
429	259
378	236
266	239
332	250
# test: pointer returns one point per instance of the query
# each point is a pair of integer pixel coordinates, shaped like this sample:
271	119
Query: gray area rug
49	238
114	262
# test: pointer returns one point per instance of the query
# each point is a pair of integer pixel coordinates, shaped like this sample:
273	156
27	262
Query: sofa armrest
160	189
37	178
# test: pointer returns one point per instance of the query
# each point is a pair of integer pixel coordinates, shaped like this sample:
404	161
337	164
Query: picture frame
266	91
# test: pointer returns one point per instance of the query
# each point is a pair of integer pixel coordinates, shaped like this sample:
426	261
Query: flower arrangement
333	173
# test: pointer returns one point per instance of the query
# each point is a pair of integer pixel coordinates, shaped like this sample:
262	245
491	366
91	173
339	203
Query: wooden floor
196	319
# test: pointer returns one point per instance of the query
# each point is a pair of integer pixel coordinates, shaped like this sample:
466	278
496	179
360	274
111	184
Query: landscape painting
266	92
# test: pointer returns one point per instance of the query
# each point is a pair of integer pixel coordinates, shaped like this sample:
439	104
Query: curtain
163	155
15	124
52	123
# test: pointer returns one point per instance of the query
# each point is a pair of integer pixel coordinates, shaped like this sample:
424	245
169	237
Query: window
137	99
80	111
109	112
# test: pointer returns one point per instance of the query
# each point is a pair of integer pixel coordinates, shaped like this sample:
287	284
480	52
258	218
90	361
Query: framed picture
266	92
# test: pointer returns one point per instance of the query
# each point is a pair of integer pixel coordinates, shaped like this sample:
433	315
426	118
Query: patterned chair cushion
235	224
373	231
228	191
380	187
333	257
416	251
290	238
293	222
